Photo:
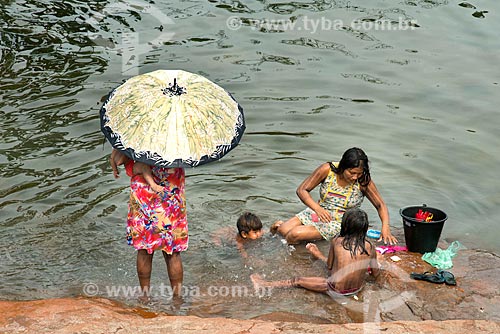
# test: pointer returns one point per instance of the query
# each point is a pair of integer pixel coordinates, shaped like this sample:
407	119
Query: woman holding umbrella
168	120
156	221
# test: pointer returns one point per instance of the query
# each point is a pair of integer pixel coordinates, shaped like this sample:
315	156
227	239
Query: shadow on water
406	97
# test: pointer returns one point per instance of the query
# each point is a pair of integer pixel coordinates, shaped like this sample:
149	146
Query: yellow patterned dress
336	200
157	221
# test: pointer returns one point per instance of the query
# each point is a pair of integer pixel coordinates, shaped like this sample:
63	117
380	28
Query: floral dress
336	200
157	221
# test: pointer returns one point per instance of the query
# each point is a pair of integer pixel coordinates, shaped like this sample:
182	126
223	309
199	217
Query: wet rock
476	295
80	315
292	317
393	304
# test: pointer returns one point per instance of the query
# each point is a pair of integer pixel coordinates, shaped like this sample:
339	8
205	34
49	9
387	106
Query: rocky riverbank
80	315
402	305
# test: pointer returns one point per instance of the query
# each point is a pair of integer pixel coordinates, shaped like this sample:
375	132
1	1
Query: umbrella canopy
172	118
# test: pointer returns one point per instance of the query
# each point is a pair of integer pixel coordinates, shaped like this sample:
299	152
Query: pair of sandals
441	276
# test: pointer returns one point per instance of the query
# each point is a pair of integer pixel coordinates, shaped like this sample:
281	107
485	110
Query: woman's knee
144	263
174	256
293	236
289	225
302	233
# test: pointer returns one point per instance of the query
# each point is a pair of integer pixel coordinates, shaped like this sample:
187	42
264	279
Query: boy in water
249	227
133	168
349	258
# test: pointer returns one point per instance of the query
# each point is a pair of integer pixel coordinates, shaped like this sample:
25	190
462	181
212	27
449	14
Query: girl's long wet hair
352	158
353	229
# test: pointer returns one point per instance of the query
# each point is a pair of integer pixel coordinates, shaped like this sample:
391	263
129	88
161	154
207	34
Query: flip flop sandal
449	278
433	278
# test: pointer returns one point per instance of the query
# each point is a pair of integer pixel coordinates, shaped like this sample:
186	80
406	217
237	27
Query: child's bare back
348	271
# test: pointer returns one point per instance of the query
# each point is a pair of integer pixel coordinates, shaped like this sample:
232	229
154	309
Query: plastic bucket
421	236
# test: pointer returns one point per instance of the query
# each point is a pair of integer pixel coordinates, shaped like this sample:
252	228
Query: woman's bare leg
302	233
144	267
285	227
294	232
175	271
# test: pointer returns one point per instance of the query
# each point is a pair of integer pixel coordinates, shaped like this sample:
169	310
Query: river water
314	78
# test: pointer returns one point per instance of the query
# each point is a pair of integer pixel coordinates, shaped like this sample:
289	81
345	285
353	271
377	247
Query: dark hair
353	228
248	222
352	158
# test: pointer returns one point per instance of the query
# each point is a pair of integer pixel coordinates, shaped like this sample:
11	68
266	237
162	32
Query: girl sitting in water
349	258
133	168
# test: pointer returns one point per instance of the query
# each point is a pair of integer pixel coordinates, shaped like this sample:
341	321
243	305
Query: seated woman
343	185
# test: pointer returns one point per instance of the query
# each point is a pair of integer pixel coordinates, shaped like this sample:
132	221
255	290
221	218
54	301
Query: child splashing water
349	258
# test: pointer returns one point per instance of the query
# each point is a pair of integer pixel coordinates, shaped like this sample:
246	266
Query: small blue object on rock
374	234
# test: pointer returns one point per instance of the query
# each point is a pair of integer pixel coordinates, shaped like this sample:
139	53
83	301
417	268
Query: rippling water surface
421	100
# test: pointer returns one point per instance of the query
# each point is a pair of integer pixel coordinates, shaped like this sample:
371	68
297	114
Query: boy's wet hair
353	229
248	222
